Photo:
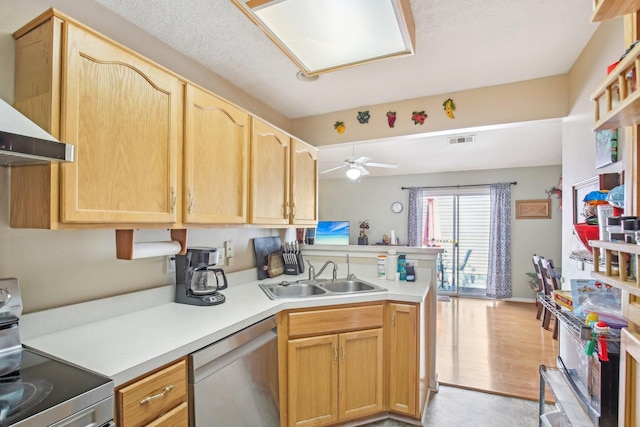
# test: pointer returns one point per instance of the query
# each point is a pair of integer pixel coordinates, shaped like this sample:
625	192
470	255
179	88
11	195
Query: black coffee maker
196	282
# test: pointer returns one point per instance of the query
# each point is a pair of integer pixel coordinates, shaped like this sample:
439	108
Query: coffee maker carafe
196	282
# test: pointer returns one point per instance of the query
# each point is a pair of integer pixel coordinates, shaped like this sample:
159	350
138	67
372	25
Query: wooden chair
536	268
550	284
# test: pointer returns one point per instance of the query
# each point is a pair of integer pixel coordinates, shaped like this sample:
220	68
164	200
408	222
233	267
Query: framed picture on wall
606	147
533	209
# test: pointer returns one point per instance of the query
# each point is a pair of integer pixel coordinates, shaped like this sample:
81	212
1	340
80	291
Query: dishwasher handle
205	370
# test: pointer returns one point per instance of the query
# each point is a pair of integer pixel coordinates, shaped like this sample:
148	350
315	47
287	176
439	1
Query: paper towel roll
392	240
151	249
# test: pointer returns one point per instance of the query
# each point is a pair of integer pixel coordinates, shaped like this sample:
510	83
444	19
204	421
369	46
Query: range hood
23	142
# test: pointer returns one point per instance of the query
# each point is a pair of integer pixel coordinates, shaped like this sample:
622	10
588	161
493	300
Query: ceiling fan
356	166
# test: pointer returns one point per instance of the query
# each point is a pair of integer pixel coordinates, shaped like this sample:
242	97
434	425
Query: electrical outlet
170	266
228	245
221	255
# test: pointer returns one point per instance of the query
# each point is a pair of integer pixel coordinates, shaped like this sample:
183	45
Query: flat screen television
332	233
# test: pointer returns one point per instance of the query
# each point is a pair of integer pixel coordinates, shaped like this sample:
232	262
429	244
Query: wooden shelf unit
630	286
627	257
607	9
622	82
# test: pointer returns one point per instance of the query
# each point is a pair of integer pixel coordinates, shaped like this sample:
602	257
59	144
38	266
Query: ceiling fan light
353	173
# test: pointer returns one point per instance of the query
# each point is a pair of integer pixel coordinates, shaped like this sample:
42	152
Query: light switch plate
170	266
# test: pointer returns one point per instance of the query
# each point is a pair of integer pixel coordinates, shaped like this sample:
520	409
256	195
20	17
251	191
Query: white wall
578	141
371	198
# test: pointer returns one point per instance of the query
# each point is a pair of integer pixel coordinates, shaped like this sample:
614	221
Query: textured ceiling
460	44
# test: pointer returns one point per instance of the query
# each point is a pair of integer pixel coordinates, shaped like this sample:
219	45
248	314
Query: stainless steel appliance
234	382
24	142
196	282
36	390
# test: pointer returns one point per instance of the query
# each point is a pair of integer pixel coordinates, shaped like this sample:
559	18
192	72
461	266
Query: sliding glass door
459	223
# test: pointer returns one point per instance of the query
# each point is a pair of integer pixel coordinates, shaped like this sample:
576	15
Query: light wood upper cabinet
216	153
123	115
304	183
270	176
403	358
151	149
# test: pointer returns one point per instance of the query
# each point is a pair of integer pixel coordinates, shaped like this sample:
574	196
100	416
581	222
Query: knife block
295	268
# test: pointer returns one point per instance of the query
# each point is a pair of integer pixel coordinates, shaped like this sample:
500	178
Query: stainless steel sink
291	290
316	288
350	286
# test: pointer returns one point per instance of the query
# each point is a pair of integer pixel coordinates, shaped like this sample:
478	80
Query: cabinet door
403	358
123	115
269	175
629	385
360	373
313	380
304	184
216	154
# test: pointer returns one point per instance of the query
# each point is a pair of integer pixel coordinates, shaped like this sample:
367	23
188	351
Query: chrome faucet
349	275
335	270
312	270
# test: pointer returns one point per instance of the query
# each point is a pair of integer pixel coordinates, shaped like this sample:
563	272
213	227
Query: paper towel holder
126	247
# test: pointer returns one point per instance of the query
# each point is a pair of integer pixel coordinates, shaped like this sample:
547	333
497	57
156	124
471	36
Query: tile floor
457	407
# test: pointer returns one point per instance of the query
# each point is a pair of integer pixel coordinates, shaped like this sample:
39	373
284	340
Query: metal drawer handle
166	390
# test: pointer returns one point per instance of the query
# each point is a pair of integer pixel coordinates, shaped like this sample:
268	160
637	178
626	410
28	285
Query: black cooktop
34	388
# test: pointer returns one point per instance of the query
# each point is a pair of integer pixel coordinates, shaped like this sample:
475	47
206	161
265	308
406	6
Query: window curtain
414	229
431	223
499	274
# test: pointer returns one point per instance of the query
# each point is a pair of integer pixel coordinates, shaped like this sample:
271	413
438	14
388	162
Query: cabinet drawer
335	320
177	417
144	400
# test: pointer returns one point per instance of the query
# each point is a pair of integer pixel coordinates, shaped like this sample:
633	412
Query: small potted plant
362	238
533	282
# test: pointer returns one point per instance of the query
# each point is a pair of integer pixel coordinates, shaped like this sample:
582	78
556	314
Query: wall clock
396	207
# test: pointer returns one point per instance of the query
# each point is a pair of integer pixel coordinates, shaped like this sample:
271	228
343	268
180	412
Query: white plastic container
392	264
382	266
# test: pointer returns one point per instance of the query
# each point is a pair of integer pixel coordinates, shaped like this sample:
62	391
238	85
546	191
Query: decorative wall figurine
339	127
363	116
449	107
391	118
418	117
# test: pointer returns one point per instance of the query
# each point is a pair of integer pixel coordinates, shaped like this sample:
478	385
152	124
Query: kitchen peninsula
128	336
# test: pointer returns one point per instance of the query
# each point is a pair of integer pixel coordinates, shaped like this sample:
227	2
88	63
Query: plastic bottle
392	264
402	266
382	266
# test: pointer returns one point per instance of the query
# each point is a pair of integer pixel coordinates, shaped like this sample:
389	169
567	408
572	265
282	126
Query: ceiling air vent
461	139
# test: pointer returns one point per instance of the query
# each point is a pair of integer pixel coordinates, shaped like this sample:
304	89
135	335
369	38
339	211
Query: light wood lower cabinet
402	324
335	376
629	386
158	399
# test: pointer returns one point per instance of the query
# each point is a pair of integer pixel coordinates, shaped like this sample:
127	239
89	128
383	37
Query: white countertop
130	344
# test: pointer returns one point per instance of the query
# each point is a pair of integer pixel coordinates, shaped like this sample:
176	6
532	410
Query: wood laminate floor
492	346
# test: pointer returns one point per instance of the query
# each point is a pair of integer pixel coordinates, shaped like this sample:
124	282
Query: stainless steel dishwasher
234	382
